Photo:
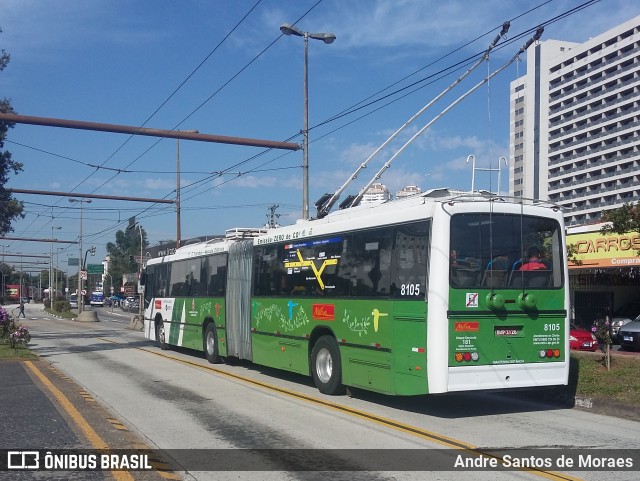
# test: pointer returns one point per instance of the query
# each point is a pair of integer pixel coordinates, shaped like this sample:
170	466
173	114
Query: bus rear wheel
211	344
161	334
326	366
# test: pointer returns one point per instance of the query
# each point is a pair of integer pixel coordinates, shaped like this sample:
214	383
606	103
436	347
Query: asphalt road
177	401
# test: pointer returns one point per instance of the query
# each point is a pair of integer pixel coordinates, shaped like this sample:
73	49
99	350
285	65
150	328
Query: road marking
405	428
93	437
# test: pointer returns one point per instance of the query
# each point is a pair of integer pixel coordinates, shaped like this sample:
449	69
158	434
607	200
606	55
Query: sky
223	67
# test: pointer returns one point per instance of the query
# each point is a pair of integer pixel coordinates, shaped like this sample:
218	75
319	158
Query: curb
596	405
136	324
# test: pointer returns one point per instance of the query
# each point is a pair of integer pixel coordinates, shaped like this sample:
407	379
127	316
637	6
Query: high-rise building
574	124
376	193
408	191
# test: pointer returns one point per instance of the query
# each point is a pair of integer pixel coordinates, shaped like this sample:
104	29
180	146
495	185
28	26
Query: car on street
629	335
582	340
623	315
116	300
130	304
73	301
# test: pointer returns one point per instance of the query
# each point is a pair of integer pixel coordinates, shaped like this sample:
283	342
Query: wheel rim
324	365
161	333
211	341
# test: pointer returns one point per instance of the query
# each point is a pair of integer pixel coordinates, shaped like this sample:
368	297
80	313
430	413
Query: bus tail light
467	356
549	353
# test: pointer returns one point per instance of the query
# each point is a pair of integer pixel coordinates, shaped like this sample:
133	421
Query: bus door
238	300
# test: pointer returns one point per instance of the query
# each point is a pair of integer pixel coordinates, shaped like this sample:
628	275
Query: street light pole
4	282
288	29
56	272
141	301
178	233
80	266
51	269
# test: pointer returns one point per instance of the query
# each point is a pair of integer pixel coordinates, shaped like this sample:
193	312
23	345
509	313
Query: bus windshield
490	250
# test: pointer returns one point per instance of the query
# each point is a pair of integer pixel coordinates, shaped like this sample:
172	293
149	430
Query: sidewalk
44	409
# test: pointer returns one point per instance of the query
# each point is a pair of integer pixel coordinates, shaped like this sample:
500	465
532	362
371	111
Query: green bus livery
438	292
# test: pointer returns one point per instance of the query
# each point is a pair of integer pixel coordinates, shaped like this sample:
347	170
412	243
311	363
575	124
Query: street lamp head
289	29
325	37
86	201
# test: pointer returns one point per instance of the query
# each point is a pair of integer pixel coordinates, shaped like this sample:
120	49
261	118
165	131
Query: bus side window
370	263
410	261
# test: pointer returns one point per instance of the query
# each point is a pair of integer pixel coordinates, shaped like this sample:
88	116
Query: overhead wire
211	97
441	73
420	84
158	109
346	112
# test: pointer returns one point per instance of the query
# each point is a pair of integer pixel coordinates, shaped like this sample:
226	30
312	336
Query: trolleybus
427	294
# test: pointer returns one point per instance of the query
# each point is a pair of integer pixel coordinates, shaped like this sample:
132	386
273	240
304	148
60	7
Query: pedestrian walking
22	309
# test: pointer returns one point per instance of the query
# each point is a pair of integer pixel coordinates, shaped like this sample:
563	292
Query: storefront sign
595	250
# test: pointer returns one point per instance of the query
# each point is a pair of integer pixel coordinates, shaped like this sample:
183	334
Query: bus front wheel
161	334
326	366
211	344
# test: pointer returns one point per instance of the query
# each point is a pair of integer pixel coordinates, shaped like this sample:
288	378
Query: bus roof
408	209
405	209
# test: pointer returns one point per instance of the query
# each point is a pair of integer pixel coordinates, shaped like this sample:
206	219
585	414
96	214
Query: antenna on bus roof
326	202
387	164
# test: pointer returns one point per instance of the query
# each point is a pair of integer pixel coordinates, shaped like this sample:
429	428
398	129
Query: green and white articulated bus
427	294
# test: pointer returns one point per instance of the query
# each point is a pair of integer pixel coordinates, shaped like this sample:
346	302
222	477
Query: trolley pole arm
325	208
387	164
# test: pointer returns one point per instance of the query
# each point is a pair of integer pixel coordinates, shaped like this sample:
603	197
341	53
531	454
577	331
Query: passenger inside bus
534	262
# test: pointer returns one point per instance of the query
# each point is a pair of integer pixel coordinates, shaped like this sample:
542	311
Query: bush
16	334
61	306
602	330
19	337
6	324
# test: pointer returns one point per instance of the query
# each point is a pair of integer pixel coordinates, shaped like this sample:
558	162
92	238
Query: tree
622	220
10	208
126	246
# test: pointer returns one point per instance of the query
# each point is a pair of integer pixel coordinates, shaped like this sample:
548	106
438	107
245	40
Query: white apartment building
574	124
407	191
376	193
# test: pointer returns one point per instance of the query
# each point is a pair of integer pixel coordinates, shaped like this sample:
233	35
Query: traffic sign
83	275
84	292
95	268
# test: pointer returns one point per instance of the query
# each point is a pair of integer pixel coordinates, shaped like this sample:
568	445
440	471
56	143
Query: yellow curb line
93	437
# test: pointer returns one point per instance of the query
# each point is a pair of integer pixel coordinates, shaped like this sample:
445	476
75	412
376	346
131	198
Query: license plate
586	344
507	332
627	338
